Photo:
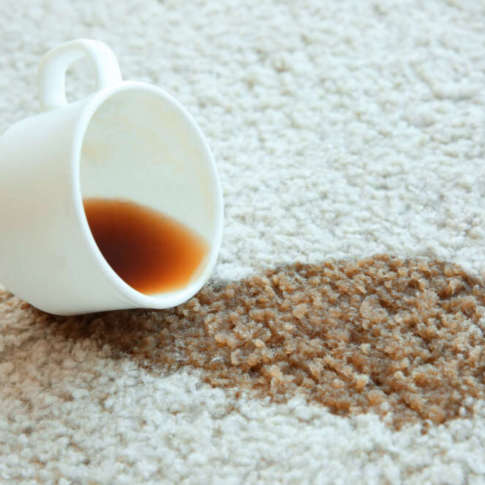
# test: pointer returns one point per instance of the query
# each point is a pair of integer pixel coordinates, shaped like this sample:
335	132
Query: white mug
127	140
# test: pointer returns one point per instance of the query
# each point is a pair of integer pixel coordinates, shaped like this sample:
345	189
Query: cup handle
53	67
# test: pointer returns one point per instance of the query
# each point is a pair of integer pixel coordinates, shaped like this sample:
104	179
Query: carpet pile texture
342	130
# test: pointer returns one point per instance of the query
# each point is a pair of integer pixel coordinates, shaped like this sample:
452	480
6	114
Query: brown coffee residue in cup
381	334
147	249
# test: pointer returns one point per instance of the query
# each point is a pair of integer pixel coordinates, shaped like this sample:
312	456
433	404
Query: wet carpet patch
398	337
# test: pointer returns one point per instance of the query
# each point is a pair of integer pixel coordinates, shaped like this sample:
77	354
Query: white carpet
341	129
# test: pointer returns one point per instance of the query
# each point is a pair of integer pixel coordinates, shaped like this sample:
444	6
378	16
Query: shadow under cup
141	146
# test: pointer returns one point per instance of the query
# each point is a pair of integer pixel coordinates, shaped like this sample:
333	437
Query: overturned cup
128	142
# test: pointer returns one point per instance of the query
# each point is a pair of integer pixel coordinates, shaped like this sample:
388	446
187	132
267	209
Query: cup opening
141	148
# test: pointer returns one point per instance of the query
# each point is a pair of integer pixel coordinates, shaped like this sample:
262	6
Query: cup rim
136	298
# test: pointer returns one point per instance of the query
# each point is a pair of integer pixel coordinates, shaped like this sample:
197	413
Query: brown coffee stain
397	337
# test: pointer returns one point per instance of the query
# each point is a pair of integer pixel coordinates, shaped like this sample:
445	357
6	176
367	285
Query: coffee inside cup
148	250
147	193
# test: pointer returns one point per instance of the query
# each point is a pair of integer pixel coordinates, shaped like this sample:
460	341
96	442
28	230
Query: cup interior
141	146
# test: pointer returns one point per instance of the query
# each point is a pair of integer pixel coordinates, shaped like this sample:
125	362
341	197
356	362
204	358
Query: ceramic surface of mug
128	140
